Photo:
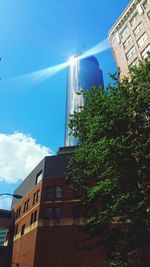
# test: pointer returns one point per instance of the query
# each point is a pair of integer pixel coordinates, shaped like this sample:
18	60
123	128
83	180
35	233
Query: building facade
82	75
6	237
130	35
48	218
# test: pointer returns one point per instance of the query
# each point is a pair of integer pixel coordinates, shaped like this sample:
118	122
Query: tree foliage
112	163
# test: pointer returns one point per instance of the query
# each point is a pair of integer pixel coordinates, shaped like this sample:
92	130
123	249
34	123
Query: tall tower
82	75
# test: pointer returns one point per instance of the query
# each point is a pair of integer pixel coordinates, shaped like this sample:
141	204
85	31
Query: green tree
111	164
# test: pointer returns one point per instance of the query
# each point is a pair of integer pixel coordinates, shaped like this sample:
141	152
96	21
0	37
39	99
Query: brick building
47	220
130	35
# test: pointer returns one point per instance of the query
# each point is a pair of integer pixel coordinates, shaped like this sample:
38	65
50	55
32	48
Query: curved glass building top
82	75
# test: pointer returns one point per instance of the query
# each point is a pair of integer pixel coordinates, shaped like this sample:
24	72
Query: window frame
26	205
48	215
138	28
127	42
49	195
33	217
124	32
141	41
58	193
134	19
39	176
147	49
132	50
23	229
57	215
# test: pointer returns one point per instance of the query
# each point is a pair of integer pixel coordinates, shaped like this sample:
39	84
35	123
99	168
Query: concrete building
82	75
45	233
130	35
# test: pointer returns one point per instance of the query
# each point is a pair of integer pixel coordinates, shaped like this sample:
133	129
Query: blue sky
34	35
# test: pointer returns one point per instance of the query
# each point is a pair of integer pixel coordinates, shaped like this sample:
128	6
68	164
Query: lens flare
99	48
41	75
72	60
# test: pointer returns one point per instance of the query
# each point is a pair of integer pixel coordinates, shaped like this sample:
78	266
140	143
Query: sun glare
72	60
46	73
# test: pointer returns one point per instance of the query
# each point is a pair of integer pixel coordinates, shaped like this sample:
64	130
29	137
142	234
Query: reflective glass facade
82	75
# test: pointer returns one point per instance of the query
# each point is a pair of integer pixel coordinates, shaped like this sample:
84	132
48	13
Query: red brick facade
54	238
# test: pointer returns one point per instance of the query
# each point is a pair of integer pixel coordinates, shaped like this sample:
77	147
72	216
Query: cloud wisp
19	154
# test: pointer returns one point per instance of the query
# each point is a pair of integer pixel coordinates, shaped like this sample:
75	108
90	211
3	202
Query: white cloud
19	154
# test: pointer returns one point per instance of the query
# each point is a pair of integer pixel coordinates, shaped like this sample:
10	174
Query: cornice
124	16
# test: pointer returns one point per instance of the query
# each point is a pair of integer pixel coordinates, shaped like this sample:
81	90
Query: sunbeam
99	48
41	75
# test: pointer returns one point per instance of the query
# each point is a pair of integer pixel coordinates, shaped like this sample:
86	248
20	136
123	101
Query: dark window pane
26	206
18	211
23	229
48	213
37	195
57	213
35	216
58	191
34	198
31	220
49	193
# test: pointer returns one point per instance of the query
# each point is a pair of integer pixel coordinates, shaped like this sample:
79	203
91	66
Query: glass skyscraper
82	75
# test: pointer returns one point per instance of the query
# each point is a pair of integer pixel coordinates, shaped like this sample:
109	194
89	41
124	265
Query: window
148	14
134	63
33	217
124	32
16	229
146	4
23	229
134	19
48	214
145	52
49	193
142	39
39	177
138	28
26	206
57	213
36	197
76	212
127	42
18	211
130	53
58	191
